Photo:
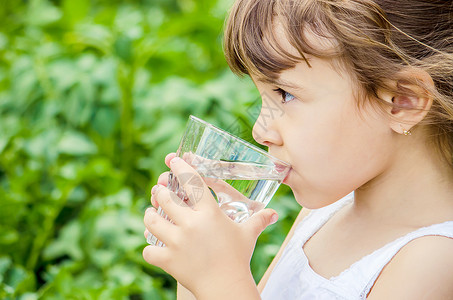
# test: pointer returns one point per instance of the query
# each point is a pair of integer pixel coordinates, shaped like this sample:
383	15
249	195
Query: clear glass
242	177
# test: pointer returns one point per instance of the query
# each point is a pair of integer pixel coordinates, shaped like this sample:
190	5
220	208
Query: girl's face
312	121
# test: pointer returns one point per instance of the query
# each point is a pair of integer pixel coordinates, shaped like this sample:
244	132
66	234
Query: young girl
366	91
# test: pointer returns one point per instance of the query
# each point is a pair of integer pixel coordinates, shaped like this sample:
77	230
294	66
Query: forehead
280	45
294	41
278	38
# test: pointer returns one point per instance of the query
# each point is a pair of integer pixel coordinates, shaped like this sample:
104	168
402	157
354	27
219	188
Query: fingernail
147	210
274	219
154	189
174	160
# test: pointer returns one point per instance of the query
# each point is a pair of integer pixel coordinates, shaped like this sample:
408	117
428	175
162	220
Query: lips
283	168
285	181
280	168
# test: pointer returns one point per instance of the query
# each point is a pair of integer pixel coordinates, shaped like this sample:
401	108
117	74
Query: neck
415	189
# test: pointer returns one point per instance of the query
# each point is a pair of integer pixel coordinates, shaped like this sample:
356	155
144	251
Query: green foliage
93	95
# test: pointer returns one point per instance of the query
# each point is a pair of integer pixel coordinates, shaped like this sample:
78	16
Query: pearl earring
406	132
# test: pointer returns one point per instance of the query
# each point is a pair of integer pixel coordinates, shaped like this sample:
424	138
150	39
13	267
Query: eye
286	97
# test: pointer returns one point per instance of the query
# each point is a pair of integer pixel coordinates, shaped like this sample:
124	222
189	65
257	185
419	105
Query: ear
412	101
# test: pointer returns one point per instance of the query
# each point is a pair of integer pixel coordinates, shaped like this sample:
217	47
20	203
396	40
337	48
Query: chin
313	201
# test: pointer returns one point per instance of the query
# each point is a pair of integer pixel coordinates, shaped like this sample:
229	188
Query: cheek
336	155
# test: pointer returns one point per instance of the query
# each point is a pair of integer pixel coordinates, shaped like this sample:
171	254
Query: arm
302	214
423	269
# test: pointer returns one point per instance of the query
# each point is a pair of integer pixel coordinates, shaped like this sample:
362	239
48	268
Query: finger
260	220
192	183
161	228
168	158
153	199
157	256
163	178
145	233
171	204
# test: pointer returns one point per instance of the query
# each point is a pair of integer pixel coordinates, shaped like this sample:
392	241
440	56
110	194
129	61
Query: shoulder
423	269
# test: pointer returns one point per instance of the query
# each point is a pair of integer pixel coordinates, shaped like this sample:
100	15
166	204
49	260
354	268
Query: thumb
260	220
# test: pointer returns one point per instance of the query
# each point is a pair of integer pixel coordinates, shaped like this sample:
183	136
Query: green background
93	95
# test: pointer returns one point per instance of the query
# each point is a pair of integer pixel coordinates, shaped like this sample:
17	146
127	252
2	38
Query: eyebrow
282	82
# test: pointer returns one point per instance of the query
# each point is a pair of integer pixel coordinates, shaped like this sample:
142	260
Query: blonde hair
376	40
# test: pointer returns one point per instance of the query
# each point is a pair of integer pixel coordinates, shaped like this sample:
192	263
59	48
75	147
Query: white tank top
293	278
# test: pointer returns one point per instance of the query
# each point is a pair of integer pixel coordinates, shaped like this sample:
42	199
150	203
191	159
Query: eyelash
284	94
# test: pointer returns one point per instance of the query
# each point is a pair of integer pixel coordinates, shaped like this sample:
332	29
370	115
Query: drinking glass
241	177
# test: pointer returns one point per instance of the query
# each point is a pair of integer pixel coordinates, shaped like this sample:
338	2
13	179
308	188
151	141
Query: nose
265	131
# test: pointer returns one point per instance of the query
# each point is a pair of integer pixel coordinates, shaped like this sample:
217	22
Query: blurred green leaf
123	48
75	11
66	244
42	12
75	143
8	235
105	121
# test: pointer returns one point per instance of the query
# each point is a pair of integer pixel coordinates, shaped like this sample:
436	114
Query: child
366	87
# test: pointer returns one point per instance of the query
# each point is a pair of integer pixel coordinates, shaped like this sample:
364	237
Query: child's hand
205	250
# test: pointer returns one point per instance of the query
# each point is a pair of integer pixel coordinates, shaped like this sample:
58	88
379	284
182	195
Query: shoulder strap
368	269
